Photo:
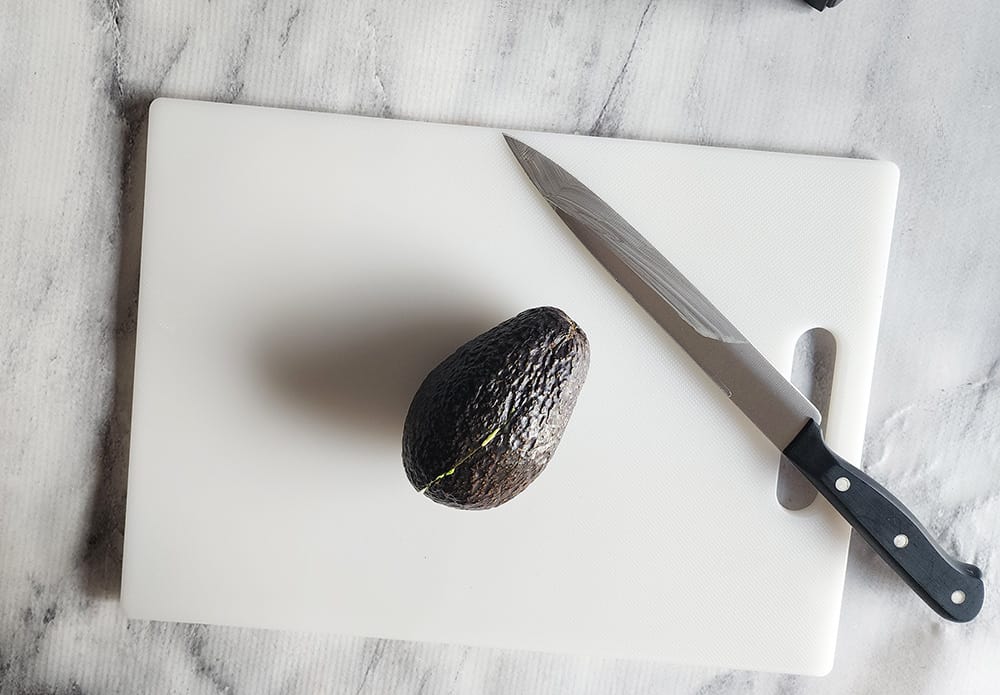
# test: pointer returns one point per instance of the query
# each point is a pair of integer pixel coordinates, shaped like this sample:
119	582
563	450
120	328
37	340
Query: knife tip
515	145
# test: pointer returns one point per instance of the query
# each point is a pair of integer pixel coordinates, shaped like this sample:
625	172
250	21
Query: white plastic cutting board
301	273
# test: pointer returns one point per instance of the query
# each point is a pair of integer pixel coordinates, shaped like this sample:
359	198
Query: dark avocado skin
485	422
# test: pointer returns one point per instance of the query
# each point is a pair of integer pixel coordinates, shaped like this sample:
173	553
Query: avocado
485	422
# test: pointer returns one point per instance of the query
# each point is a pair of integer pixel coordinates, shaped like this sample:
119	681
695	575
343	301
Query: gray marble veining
915	83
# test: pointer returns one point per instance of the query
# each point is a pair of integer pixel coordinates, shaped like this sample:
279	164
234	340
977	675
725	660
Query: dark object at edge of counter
823	4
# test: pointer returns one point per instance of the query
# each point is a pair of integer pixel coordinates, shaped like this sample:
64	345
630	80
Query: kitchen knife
954	589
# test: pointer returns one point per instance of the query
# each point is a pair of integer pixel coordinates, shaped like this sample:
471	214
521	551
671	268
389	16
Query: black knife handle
954	589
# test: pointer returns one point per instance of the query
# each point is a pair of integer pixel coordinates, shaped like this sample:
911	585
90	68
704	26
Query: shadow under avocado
362	375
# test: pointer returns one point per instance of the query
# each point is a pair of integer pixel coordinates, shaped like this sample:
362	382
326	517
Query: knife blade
952	588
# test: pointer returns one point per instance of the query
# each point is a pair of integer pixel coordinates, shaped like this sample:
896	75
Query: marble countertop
915	83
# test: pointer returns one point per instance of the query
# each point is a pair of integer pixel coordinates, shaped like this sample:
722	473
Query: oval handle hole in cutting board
812	374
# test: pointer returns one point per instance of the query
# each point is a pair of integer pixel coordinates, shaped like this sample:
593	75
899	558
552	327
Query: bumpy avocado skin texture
485	422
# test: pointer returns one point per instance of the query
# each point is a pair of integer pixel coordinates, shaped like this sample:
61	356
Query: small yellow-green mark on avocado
489	438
